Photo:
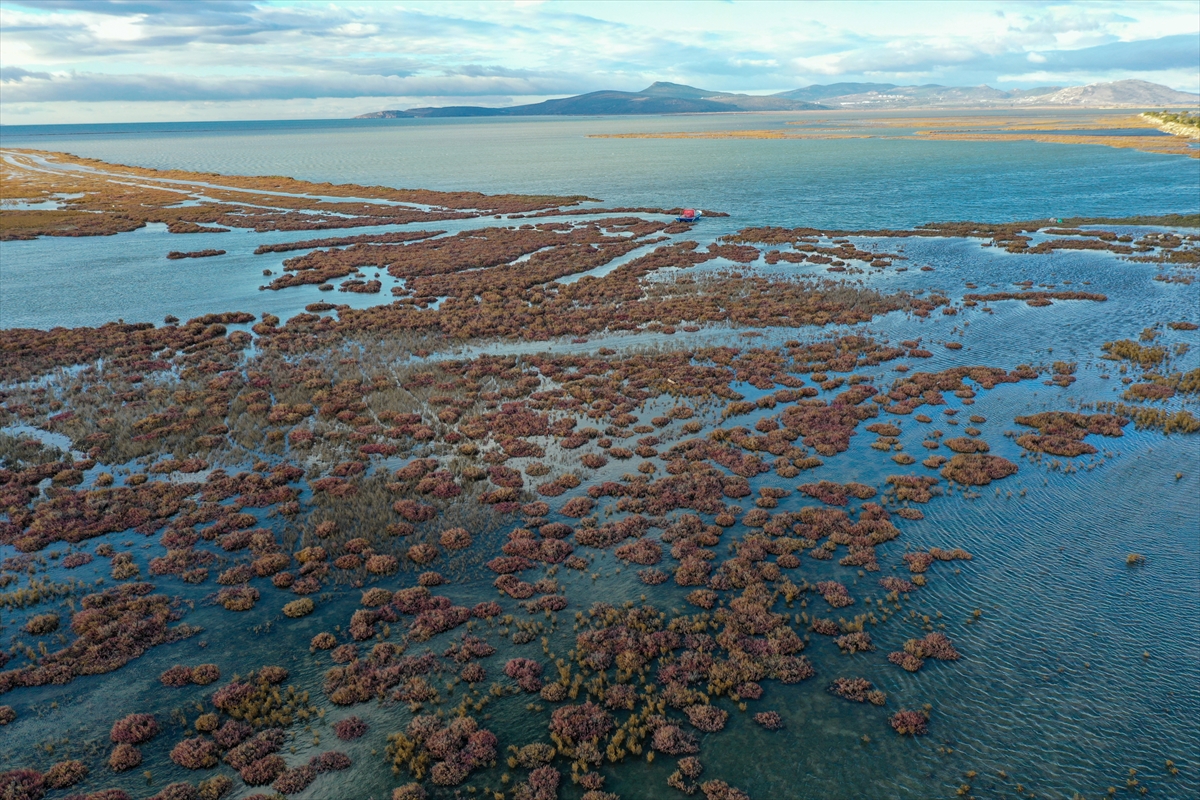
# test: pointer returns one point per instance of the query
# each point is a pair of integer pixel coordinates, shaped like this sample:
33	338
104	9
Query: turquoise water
1053	687
867	183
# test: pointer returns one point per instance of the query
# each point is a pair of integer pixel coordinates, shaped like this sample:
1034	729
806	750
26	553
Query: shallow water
1090	132
856	183
1053	687
875	182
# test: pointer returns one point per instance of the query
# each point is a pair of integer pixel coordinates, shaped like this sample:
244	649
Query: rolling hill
673	98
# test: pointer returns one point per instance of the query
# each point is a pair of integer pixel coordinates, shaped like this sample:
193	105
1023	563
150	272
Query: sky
81	61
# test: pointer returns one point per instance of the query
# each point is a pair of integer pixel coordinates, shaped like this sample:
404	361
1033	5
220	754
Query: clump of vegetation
1129	350
1180	421
1184	118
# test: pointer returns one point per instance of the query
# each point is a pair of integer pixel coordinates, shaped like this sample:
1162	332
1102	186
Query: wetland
320	486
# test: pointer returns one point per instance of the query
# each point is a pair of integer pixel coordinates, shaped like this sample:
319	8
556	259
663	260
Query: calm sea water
824	183
1055	687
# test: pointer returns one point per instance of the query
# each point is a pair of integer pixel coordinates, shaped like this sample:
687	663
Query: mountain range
674	98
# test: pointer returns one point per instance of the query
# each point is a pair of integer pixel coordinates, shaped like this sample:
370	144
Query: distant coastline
673	98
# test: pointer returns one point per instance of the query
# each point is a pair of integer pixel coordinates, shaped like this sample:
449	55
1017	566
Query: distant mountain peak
663	86
389	114
667	88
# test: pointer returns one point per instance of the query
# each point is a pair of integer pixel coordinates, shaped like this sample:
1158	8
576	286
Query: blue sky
64	61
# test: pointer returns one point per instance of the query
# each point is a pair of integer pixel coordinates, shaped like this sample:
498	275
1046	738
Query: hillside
1133	93
658	98
1118	93
673	98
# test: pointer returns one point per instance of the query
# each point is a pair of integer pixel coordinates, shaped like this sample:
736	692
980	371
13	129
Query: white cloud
1185	80
318	56
97	87
356	29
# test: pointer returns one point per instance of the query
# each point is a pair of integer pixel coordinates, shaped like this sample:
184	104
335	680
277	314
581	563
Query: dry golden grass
1034	126
507	203
1167	145
130	197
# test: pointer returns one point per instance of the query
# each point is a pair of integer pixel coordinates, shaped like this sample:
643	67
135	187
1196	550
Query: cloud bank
83	60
